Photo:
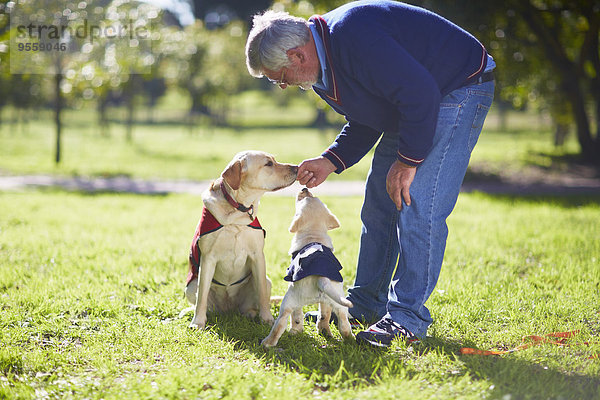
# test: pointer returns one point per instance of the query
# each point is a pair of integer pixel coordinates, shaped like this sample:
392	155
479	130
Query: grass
169	149
157	151
91	285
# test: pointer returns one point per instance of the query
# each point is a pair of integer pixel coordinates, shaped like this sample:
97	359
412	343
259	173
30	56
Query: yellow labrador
227	264
314	272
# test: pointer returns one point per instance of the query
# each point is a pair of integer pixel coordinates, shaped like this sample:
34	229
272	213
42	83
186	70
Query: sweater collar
323	83
329	75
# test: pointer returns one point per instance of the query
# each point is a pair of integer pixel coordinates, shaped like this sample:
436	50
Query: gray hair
272	35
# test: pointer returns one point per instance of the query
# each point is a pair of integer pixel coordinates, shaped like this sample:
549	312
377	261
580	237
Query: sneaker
383	332
312	317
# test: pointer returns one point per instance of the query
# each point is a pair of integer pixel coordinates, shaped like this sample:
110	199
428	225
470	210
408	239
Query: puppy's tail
324	284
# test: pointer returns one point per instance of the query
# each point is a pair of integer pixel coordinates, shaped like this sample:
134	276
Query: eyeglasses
280	80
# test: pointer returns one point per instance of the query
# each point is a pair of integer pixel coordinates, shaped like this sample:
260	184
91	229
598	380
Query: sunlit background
189	56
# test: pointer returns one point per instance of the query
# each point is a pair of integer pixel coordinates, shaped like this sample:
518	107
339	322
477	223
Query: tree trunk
571	76
130	112
102	116
130	107
320	120
57	115
584	134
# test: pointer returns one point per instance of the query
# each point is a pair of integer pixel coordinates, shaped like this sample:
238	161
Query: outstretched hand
314	171
398	181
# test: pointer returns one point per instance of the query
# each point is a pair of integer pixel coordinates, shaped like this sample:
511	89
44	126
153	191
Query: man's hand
314	171
398	181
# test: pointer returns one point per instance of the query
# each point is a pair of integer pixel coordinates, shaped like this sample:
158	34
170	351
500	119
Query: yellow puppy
314	272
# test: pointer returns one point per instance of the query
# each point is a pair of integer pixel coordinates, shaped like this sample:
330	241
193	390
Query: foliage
220	12
547	54
91	286
208	64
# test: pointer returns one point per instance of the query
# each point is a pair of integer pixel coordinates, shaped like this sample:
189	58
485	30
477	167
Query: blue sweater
388	65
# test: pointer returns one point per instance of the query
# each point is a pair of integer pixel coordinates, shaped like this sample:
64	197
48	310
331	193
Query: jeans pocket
477	125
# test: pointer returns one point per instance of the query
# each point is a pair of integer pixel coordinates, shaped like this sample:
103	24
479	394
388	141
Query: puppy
227	264
314	273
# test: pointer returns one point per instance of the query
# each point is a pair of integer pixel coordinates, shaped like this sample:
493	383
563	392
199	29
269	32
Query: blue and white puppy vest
314	259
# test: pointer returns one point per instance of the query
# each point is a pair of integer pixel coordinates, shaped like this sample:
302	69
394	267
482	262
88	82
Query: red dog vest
209	224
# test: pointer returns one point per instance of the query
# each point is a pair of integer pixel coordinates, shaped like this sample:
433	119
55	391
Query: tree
4	73
220	12
208	64
27	52
547	53
568	32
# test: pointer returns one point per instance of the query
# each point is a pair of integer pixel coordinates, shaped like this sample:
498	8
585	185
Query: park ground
93	258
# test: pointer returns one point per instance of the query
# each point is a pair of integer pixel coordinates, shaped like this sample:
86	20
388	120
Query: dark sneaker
383	332
312	317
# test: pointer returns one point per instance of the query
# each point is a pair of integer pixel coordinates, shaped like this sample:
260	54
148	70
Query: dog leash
235	204
555	338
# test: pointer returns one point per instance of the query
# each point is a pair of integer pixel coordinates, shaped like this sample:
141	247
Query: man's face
293	75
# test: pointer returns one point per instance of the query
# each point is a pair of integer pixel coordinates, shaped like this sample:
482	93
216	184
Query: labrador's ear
295	224
332	222
233	175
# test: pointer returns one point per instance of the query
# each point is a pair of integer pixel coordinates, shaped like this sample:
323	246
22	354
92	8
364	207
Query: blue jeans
401	252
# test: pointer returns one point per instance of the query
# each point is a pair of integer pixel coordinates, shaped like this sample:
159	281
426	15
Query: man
421	84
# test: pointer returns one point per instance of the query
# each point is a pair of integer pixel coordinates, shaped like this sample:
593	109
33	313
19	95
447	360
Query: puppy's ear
233	174
332	222
295	223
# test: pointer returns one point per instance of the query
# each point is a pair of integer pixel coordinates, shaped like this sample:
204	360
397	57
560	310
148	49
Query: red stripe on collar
321	25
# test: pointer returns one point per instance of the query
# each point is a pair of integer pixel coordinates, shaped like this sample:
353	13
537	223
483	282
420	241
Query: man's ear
332	222
296	56
295	224
233	175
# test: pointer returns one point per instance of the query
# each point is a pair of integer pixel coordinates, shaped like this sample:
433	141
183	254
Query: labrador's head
312	215
257	170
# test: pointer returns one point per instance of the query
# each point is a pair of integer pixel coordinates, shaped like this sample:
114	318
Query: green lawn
157	151
91	285
170	149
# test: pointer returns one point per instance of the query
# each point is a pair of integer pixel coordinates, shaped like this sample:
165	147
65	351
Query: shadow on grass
110	185
332	363
518	378
329	362
566	200
495	184
522	379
